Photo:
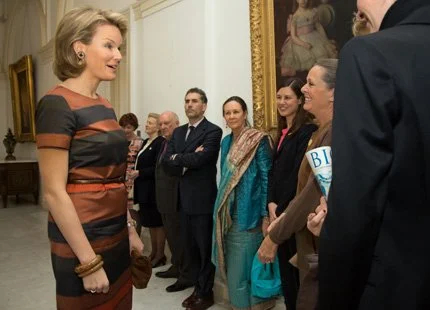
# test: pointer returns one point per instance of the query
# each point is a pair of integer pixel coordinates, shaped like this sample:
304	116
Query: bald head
168	122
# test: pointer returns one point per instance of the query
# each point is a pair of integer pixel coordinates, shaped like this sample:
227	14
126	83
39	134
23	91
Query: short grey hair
330	67
173	114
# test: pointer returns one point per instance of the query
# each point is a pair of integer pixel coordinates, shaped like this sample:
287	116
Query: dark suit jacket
286	164
197	186
374	250
144	184
166	185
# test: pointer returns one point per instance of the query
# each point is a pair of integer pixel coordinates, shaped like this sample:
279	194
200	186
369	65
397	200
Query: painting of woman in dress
309	30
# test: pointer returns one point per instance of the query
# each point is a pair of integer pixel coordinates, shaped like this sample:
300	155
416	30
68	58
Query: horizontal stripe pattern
99	150
106	203
104	125
94	231
62	249
97	147
116	261
108	172
101	301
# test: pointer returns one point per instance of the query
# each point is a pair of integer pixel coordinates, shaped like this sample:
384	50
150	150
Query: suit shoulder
307	129
377	44
179	128
159	140
212	126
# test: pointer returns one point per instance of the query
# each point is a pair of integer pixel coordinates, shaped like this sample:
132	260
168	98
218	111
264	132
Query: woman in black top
295	127
144	189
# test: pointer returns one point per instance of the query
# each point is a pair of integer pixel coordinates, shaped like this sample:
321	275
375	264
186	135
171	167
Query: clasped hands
133	174
268	249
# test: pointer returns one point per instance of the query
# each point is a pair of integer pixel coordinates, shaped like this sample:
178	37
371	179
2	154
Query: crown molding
145	8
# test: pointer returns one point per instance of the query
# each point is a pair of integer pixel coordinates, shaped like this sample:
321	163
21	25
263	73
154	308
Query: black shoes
178	286
172	272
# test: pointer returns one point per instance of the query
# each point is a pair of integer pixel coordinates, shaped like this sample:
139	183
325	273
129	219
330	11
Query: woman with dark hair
240	215
129	124
295	127
319	100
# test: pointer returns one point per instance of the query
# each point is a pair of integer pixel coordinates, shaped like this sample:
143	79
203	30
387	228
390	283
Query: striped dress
97	148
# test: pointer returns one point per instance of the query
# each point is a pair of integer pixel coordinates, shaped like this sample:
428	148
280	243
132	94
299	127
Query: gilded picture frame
263	65
275	56
22	94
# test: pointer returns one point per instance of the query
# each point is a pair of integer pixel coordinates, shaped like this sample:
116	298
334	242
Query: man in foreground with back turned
374	253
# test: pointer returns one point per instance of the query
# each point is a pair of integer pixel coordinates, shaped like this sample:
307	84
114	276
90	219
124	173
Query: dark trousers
172	227
197	241
289	274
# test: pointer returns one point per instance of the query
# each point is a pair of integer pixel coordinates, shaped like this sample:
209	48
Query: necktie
163	151
190	130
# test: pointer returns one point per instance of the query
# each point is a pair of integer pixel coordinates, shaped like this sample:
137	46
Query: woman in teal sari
240	214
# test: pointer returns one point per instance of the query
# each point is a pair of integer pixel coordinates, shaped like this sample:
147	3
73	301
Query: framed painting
22	94
287	38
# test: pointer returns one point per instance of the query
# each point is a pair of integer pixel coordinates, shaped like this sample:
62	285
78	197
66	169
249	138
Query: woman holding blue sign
319	98
240	215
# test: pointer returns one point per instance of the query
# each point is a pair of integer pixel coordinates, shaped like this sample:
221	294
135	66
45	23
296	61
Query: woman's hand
316	220
267	251
135	241
96	282
133	174
275	222
272	211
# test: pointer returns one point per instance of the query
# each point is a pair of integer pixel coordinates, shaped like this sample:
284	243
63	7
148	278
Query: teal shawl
235	160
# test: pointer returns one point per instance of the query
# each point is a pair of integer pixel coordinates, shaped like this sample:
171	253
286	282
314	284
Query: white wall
203	43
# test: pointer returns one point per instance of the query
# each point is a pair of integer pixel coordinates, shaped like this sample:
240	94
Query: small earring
81	57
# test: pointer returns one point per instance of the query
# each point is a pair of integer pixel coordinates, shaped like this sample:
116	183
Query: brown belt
96	181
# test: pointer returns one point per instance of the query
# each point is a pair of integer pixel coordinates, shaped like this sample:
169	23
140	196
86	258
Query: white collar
196	123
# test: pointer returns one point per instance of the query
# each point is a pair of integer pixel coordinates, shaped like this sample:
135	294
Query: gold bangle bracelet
82	268
92	270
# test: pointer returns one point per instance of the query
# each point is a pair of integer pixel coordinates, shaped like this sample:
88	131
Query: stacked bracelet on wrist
89	268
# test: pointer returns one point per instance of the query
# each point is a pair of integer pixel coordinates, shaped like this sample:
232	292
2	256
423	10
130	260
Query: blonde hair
156	116
80	24
359	25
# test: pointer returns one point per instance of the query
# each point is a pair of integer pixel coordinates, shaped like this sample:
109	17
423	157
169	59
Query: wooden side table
19	177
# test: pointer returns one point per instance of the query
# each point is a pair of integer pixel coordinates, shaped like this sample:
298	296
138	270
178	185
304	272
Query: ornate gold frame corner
263	64
22	91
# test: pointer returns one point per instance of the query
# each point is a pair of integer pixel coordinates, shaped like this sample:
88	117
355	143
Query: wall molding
145	8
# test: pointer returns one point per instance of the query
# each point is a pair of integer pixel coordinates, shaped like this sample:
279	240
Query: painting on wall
287	38
22	94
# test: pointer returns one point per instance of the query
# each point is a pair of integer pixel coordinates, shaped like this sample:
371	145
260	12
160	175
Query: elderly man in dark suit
374	252
194	148
166	187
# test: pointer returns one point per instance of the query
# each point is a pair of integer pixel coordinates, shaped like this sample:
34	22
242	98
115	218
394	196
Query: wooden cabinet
19	177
